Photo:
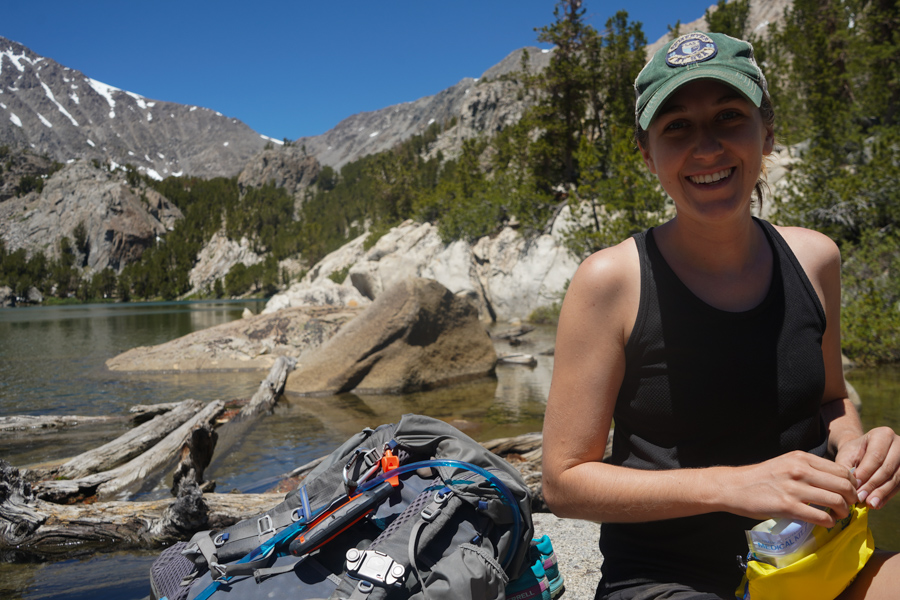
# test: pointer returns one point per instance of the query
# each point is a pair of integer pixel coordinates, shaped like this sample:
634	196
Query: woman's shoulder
614	265
815	250
820	259
606	290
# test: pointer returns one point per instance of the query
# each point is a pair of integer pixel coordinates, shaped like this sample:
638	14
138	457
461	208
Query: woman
713	340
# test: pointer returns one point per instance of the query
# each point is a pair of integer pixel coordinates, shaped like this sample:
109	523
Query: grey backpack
415	510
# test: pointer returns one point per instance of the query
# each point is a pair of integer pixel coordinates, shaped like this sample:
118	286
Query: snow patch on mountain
15	59
58	105
107	92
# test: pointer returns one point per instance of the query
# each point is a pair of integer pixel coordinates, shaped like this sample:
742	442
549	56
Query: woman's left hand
876	457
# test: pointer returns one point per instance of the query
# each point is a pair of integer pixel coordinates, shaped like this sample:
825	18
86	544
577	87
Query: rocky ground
575	544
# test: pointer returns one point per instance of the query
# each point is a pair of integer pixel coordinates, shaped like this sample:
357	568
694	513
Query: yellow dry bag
821	574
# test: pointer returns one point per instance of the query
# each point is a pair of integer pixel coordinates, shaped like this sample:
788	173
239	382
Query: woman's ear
769	140
648	159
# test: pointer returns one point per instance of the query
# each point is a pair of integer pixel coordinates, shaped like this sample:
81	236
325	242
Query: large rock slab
416	335
253	343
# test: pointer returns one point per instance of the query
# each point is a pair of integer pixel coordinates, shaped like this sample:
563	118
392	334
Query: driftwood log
126	479
44	529
49	517
134	443
125	465
46	423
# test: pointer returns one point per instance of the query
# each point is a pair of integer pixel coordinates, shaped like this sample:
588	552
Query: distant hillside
64	114
477	105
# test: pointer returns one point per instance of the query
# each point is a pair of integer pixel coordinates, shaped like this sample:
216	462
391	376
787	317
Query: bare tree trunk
42	423
128	478
35	526
133	443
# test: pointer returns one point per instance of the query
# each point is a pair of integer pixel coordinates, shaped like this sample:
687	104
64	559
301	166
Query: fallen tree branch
270	389
128	478
133	443
46	423
37	527
262	402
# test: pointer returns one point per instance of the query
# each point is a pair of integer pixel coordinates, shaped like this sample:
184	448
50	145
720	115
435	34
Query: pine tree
729	18
564	84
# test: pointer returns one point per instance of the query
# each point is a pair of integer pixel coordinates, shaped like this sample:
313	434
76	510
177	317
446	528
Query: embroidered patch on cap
689	49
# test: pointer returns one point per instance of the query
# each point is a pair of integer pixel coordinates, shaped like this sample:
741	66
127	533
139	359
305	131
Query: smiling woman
713	341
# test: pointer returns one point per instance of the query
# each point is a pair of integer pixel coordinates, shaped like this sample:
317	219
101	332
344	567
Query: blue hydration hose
458	464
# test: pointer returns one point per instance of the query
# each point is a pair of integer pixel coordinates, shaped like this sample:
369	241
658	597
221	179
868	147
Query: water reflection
879	389
118	576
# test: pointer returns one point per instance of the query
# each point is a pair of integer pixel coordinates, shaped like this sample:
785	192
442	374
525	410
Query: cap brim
737	80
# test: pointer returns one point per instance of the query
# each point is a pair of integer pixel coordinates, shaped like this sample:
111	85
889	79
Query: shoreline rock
417	335
248	344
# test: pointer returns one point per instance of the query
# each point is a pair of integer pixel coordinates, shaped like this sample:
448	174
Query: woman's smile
711	178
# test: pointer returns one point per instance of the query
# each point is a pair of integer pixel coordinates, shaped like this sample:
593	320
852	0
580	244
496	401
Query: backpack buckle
372	567
265	527
371	462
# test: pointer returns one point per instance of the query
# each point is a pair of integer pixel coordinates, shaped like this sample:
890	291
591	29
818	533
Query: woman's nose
706	143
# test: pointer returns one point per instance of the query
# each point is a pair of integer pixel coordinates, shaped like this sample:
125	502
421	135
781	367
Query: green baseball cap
697	55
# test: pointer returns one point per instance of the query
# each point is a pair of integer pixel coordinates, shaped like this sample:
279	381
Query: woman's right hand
796	485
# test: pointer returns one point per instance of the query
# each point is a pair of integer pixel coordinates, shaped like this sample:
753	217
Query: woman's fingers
878	470
799	485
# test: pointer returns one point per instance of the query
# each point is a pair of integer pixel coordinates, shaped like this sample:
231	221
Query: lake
52	361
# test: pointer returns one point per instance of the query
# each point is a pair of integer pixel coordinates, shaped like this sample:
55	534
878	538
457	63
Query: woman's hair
766	110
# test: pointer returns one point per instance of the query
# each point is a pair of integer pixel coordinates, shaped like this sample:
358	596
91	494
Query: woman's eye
729	114
675	125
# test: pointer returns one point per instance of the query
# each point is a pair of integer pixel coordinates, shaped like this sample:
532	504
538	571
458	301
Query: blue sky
291	69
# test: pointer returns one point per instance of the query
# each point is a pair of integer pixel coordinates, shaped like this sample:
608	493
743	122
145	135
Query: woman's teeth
712	177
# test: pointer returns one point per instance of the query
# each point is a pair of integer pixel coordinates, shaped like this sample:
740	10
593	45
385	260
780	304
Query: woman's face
706	145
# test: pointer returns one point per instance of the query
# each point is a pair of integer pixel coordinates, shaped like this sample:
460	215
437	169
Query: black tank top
706	387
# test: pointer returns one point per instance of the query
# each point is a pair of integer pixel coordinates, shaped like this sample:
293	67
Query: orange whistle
390	462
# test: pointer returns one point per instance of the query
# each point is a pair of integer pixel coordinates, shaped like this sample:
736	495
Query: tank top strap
788	258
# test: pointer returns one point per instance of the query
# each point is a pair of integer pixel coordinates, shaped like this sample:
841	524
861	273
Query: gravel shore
575	544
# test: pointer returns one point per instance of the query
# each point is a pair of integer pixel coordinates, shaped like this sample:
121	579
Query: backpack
413	510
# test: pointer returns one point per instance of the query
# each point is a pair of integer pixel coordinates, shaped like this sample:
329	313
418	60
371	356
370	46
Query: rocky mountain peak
481	104
64	114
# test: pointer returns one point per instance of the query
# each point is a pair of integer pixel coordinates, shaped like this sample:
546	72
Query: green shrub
545	315
340	275
871	295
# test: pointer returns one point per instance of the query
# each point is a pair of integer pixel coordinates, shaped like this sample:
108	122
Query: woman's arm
874	455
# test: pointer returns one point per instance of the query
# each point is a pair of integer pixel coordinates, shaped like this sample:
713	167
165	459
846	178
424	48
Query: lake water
52	361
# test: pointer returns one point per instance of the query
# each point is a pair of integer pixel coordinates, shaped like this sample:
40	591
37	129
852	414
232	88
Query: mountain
482	105
64	114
